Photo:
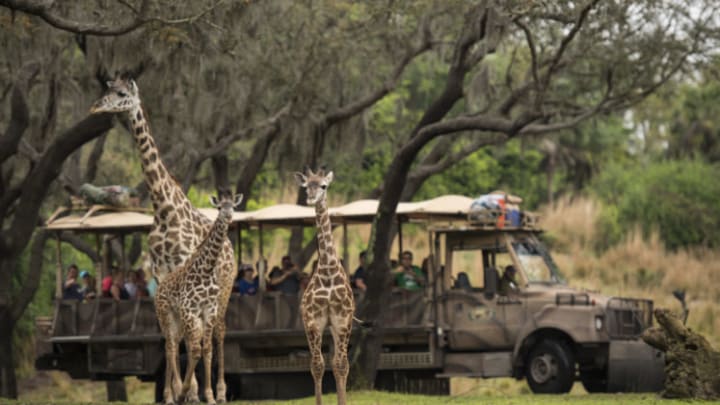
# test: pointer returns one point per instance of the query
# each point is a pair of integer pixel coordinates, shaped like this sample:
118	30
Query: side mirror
490	280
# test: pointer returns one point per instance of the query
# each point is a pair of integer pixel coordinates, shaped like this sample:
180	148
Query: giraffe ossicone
328	298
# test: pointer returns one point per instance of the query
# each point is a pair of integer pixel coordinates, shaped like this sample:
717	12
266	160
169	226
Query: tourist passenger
141	283
358	279
409	277
507	281
285	279
117	290
248	282
107	283
131	284
71	287
89	285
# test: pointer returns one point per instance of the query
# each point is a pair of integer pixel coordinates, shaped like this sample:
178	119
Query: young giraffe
328	297
178	228
186	305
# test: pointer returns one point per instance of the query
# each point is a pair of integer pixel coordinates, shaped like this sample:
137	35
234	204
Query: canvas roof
282	214
104	222
449	207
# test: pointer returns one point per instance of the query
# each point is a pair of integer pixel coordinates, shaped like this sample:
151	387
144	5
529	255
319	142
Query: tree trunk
8	383
116	391
692	367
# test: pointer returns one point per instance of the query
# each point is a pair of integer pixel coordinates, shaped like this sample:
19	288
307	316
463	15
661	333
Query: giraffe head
121	95
226	201
315	184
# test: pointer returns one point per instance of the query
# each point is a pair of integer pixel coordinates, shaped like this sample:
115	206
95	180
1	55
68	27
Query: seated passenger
248	282
107	283
462	282
141	283
285	279
358	278
89	287
131	284
507	281
409	277
71	287
117	290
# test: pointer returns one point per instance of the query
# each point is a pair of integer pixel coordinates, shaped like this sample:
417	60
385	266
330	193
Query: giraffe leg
171	332
228	267
314	326
221	387
207	350
176	381
340	327
193	343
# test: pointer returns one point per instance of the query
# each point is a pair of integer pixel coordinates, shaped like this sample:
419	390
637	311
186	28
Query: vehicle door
475	312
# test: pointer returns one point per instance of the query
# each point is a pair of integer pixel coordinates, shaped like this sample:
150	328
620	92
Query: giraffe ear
238	200
329	178
214	201
300	179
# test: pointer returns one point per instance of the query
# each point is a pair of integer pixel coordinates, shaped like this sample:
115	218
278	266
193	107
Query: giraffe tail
361	323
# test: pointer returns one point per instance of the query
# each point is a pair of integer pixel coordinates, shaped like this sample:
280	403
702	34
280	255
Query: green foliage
679	199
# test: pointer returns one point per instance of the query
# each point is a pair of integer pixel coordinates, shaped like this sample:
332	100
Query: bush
678	199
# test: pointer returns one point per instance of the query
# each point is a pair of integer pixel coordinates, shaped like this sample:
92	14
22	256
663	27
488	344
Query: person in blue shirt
247	283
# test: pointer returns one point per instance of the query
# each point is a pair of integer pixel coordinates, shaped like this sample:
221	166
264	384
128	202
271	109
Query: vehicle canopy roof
449	208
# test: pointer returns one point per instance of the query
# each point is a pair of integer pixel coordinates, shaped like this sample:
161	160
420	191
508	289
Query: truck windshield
536	262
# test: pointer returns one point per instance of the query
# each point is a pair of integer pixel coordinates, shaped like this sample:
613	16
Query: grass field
58	388
377	397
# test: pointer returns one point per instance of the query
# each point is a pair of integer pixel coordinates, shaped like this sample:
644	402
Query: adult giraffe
178	227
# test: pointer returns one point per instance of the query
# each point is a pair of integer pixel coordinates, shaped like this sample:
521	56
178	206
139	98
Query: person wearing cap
88	289
507	281
286	278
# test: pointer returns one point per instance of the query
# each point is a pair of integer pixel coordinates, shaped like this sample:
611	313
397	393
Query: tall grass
636	266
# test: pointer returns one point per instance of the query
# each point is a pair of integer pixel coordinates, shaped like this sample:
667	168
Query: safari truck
460	325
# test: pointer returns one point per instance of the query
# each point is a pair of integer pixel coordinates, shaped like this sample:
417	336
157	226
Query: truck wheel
594	380
550	368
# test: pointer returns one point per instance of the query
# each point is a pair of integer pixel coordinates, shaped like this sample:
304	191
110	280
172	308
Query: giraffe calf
186	304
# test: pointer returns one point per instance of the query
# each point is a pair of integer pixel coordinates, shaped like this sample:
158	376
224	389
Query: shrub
679	199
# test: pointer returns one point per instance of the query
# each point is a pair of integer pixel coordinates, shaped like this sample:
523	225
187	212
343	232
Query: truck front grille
627	318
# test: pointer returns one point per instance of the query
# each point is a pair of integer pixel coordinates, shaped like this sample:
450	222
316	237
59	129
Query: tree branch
36	185
91	167
31	280
350	110
19	121
43	10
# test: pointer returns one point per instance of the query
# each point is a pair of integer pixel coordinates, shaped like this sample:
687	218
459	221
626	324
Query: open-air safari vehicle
458	325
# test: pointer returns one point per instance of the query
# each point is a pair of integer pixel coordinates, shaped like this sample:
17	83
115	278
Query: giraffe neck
209	249
325	240
163	187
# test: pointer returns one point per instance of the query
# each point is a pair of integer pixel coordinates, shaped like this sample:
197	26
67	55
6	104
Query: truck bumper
633	366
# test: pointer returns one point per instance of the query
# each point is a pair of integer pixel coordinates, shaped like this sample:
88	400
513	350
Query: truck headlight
599	321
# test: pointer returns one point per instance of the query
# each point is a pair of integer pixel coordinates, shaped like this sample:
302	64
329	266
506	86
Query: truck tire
550	368
594	381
